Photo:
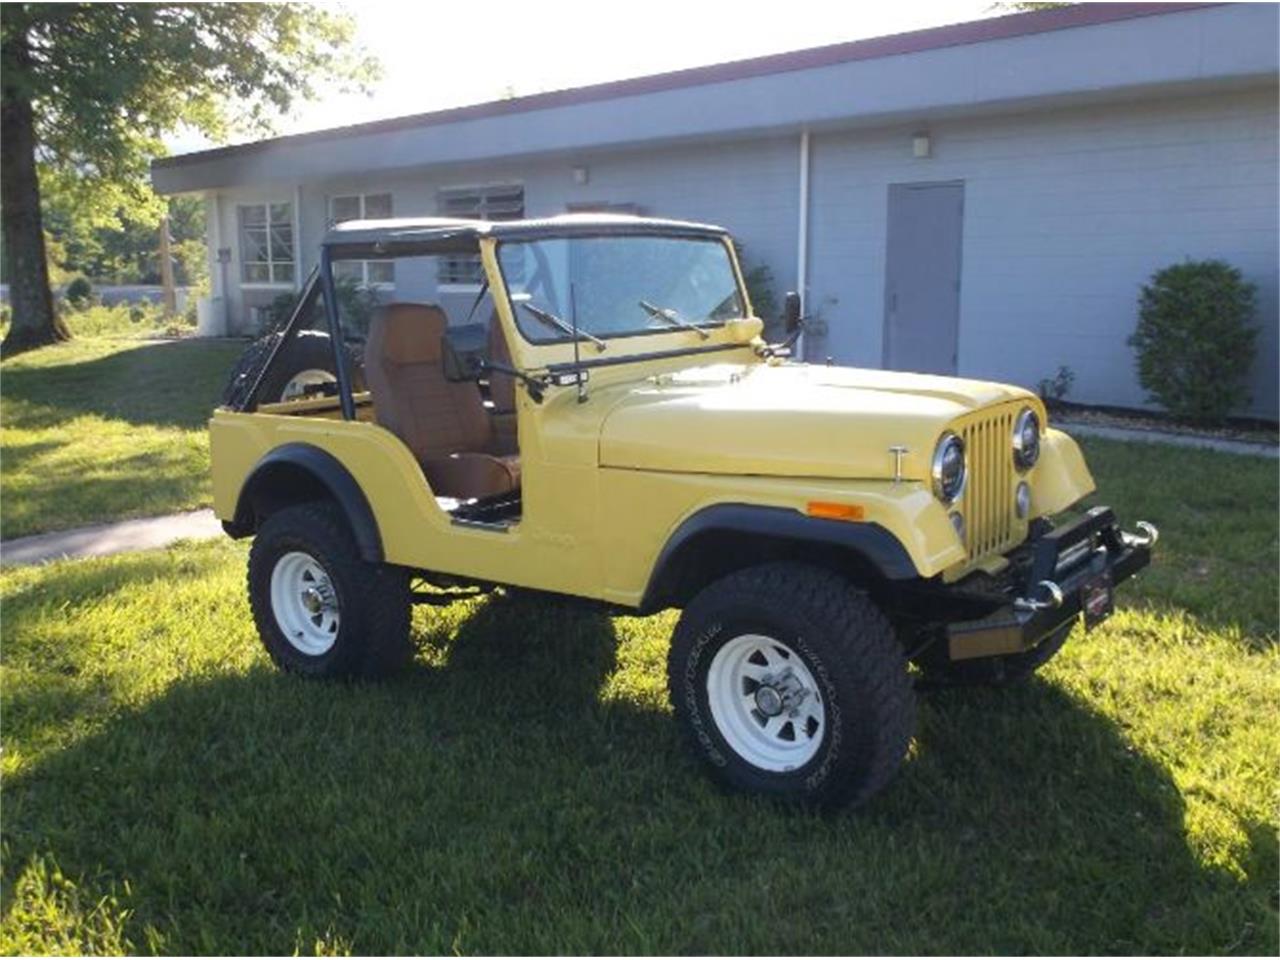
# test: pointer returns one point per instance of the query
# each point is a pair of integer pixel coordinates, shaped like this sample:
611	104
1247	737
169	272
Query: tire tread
377	594
853	631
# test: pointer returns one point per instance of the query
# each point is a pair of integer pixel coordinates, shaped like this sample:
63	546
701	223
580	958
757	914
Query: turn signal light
835	511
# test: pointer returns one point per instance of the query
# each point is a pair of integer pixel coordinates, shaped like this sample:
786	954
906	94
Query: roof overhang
1077	54
422	235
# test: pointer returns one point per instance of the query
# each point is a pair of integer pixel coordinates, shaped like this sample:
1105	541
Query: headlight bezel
1024	457
938	465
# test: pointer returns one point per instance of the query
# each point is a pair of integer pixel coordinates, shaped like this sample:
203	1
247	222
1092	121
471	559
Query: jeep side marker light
835	511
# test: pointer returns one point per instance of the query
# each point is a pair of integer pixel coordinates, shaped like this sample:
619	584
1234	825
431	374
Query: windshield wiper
667	315
551	320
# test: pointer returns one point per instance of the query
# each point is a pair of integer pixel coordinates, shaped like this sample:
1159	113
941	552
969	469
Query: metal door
922	277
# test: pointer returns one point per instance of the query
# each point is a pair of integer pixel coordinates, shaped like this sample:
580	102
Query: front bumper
1071	570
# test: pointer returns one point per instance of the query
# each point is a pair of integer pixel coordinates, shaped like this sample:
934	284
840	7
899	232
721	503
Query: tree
121	246
87	90
1019	7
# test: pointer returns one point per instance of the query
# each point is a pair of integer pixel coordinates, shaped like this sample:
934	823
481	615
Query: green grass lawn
523	787
103	429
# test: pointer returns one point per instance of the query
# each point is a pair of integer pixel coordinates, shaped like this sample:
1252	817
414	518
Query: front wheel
320	609
790	683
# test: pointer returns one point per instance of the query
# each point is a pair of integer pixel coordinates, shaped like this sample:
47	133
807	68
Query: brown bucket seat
445	424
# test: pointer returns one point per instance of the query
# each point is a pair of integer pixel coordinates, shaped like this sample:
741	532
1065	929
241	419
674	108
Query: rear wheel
790	683
321	610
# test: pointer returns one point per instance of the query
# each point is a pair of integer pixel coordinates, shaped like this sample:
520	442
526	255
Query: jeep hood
792	420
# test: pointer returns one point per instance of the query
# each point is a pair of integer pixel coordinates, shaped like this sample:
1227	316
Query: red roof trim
917	41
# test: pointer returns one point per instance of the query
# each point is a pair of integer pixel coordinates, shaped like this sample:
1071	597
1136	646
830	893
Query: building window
363	206
266	243
476	203
592	206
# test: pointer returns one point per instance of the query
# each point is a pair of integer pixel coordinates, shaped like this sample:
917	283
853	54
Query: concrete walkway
102	539
1243	447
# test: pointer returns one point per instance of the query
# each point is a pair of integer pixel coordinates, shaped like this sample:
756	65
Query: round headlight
948	468
1026	439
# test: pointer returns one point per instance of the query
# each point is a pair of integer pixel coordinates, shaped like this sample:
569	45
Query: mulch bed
1247	430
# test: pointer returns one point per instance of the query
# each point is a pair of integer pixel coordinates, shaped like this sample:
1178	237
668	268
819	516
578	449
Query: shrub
1194	342
356	306
121	320
759	280
79	293
1057	387
278	311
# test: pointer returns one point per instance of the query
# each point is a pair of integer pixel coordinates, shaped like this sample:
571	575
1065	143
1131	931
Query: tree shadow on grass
16	455
496	803
163	384
95	580
144	485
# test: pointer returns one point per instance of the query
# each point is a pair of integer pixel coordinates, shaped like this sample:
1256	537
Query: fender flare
871	542
327	471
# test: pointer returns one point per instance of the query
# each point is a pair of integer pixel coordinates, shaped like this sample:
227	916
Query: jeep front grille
991	523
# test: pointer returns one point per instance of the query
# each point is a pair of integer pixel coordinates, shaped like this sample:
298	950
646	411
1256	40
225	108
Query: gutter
875	48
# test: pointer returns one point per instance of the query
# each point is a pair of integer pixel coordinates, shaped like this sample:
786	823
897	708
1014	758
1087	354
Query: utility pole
166	270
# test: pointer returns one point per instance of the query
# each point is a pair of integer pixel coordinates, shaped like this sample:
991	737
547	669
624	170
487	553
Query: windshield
618	286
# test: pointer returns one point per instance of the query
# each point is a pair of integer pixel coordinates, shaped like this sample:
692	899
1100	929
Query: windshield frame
707	327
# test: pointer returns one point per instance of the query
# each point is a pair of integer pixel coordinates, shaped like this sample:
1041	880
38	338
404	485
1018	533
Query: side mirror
791	311
462	352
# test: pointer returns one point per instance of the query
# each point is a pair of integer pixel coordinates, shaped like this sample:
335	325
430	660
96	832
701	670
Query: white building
985	199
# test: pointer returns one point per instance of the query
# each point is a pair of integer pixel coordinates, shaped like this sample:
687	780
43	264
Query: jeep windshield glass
607	281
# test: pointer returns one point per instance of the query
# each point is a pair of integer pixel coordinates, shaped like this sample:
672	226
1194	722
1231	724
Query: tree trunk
34	322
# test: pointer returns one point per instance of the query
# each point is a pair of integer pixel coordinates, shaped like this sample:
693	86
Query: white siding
1067	213
748	187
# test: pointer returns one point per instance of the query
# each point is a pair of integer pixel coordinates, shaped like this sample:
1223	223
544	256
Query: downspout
802	241
298	246
218	271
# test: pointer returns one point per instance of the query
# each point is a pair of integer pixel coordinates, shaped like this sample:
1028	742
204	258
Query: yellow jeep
586	406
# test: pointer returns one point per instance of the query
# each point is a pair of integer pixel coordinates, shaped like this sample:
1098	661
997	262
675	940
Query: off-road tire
246	368
308	350
936	670
373	633
850	649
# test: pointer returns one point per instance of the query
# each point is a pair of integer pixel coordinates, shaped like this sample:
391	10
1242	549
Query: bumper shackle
1030	605
1146	536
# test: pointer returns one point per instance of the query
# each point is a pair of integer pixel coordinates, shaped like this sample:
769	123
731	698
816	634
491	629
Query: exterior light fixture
921	145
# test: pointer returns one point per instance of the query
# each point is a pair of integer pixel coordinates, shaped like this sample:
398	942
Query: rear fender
298	472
